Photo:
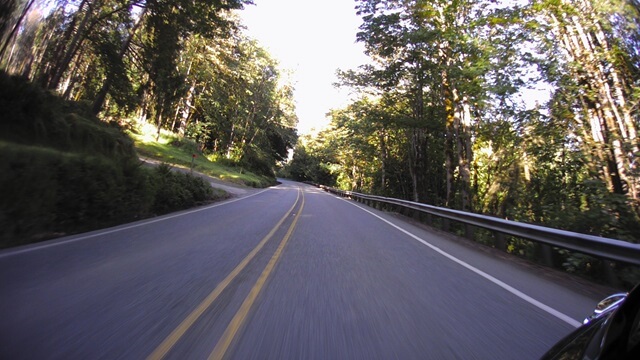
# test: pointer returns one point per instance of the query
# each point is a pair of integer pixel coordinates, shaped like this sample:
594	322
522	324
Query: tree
432	56
596	68
182	65
7	29
240	108
445	118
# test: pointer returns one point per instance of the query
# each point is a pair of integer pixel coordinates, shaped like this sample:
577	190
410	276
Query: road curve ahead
290	272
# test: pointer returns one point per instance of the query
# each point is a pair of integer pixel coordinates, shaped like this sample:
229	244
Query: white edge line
119	228
569	320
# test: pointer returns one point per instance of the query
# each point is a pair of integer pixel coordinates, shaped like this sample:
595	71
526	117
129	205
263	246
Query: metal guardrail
600	247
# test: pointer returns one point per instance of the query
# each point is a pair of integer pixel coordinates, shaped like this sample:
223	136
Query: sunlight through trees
184	66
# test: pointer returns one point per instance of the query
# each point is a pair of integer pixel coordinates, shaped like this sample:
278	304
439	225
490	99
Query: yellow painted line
168	343
238	320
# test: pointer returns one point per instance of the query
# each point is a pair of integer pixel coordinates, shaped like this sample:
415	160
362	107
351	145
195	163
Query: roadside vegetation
88	79
186	153
447	113
182	67
63	171
441	117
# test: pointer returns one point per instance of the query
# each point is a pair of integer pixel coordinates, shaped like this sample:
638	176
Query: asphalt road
290	272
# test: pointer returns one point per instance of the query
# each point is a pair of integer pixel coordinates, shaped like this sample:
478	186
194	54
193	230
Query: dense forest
446	114
182	65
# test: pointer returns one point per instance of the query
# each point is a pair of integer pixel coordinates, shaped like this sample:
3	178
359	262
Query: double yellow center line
238	320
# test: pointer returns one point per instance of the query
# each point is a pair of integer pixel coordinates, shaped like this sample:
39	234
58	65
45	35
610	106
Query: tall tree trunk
604	98
412	165
160	120
104	90
15	28
74	45
463	132
383	160
231	140
450	111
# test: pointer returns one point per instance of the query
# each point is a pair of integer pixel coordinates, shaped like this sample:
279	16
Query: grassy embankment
64	171
170	149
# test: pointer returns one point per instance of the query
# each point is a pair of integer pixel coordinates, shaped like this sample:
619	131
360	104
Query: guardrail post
429	219
546	254
469	231
445	224
609	274
500	241
405	211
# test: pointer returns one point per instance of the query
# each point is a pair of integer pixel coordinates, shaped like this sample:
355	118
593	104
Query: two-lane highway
290	272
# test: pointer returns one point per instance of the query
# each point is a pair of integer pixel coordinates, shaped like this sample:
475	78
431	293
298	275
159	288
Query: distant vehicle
611	332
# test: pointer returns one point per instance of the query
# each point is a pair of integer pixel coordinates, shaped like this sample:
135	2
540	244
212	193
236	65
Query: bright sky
312	39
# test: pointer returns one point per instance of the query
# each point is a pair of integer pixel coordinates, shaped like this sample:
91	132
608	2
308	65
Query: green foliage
243	113
181	65
32	115
108	46
47	192
175	190
535	165
63	171
179	152
307	166
257	161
